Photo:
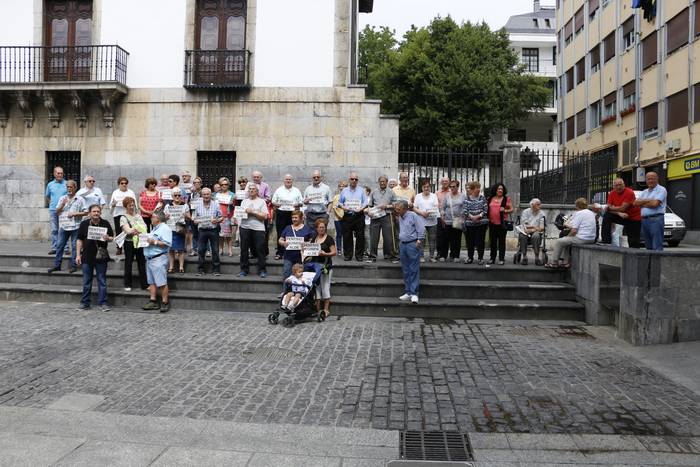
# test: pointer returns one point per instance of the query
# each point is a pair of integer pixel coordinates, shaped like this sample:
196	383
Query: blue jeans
63	236
53	220
286	271
410	264
338	236
90	270
653	233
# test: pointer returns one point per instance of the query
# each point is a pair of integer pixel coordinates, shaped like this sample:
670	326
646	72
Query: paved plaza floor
217	388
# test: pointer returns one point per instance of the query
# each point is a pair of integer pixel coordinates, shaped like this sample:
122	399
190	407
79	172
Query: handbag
456	221
506	223
102	254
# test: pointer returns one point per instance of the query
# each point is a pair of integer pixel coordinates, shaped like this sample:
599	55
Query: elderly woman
476	220
451	214
177	215
500	207
286	199
148	200
132	224
117	204
241	194
426	204
299	231
531	230
156	253
325	260
253	232
70	210
337	213
226	199
583	230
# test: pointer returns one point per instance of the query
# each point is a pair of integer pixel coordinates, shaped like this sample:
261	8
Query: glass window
235	33
59	33
531	59
209	38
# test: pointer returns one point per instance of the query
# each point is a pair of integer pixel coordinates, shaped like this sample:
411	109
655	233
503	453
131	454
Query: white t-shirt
287	199
251	222
426	204
118	198
584	223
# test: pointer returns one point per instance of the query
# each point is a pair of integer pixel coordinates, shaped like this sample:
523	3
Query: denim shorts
157	271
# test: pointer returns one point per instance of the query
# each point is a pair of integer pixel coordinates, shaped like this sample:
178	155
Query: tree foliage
452	85
374	49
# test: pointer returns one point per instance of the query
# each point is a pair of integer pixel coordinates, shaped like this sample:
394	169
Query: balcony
539	67
217	69
79	75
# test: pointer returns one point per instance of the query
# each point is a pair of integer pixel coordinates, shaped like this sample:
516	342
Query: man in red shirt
621	210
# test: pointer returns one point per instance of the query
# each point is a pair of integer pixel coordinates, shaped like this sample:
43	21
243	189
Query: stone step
341	305
378	270
342	286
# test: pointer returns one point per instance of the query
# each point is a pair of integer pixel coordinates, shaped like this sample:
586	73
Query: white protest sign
223	198
96	233
166	194
353	205
196	203
203	221
241	194
310	249
315	198
176	213
239	213
143	240
433	213
65	222
376	212
119	239
294	243
286	206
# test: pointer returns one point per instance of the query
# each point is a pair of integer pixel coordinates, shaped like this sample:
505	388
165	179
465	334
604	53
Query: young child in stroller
300	292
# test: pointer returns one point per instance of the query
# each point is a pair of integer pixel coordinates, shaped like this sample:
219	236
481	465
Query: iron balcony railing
38	64
217	69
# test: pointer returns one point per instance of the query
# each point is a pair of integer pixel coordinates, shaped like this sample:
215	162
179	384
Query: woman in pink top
500	206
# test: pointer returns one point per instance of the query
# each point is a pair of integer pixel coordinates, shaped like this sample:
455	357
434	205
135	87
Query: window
628	98
568	31
649	50
696	102
214	164
593	6
595	114
69	161
531	59
517	134
535	23
578	20
609	46
650	116
629	151
595	58
570	79
610	107
220	25
581	71
570	128
547	23
677	110
628	33
696	31
581	123
677	31
554	55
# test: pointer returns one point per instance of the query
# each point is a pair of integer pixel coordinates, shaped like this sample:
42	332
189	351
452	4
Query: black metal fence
35	64
464	165
217	69
561	178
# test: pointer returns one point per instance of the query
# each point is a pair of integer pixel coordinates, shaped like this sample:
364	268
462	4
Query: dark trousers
90	271
282	220
117	225
312	217
476	239
454	241
354	225
131	253
147	221
497	236
381	226
250	237
208	238
443	240
338	235
632	228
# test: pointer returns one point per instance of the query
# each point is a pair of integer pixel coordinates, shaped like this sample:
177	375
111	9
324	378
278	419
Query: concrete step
341	305
342	286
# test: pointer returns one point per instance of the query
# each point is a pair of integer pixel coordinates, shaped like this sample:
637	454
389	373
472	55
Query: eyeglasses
315	177
354	179
123	183
453	186
89	181
224	184
177	196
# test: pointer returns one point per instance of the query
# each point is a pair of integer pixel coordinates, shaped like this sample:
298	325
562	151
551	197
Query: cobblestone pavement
352	372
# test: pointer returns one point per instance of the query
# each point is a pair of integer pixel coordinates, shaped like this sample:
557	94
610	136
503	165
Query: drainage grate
269	353
576	332
434	446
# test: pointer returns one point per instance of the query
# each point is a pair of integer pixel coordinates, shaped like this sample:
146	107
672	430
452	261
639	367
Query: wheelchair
517	257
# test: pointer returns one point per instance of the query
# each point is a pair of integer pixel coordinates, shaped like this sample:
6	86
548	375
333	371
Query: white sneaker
422	260
414	298
455	260
433	260
442	260
405	297
127	289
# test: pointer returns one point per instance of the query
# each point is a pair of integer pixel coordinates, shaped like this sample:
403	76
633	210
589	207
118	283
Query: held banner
119	239
65	222
204	222
223	198
176	213
310	249
376	212
352	205
143	240
239	213
294	243
96	233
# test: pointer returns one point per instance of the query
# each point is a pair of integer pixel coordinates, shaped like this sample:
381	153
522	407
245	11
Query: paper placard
119	239
315	198
96	233
285	206
166	194
176	213
196	203
376	212
239	213
294	243
223	198
353	205
143	240
119	204
433	213
65	222
203	222
310	249
241	194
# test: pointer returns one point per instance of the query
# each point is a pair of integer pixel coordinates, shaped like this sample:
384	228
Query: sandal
182	271
170	271
565	266
552	266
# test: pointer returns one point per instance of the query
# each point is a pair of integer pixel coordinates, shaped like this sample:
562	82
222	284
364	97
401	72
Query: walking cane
393	236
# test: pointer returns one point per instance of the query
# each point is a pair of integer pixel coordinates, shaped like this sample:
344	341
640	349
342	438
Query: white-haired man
317	197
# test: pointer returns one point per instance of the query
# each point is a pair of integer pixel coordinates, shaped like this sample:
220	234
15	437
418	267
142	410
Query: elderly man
159	241
253	232
206	218
393	183
55	189
653	204
530	230
285	200
92	256
186	182
71	209
621	210
403	191
90	193
411	236
353	202
317	197
583	230
265	193
382	203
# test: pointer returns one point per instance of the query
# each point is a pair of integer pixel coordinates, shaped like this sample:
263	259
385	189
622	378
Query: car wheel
673	243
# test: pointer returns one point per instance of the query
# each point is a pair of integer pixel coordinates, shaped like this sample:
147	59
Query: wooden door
220	42
68	37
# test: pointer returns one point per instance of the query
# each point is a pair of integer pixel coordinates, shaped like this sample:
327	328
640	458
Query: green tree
454	85
374	48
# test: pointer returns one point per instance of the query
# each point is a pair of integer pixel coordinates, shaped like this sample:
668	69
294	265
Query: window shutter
578	19
595	56
609	46
651	117
610	98
568	29
677	31
570	79
628	26
580	123
580	71
593	6
570	128
628	89
649	50
677	110
697	20
696	99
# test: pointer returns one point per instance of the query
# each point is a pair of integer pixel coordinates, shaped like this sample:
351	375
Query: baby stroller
517	257
307	307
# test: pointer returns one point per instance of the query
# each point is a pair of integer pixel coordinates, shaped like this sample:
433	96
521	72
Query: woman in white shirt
426	204
583	230
117	205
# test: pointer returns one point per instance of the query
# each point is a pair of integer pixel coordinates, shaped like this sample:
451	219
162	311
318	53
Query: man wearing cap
159	241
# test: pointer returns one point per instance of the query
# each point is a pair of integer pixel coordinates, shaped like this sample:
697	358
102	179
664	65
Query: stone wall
276	130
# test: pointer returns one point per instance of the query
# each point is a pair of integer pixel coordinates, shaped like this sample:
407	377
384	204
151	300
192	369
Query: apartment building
629	81
218	87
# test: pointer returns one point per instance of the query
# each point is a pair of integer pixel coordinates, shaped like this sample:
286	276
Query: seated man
583	230
621	210
530	230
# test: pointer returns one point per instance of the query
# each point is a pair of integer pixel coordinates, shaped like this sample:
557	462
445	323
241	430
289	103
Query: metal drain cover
270	353
434	446
577	332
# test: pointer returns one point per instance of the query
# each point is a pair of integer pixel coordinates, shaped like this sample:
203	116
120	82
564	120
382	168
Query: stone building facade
151	121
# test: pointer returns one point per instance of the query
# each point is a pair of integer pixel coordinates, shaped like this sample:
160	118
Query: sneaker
395	261
105	307
200	273
414	298
82	307
242	274
151	305
501	262
217	273
405	297
165	307
433	260
72	269
468	260
442	260
455	260
369	260
480	262
491	261
193	253
54	269
523	261
422	260
52	252
263	275
127	289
